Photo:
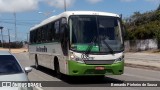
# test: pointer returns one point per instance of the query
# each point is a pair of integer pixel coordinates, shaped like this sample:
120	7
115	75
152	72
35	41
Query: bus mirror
66	31
66	26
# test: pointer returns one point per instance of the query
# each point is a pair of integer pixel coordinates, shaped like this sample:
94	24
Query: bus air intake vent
99	62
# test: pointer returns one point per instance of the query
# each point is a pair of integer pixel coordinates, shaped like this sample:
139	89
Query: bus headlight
119	60
75	58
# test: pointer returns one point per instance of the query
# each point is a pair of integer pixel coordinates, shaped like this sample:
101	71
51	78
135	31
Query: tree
135	16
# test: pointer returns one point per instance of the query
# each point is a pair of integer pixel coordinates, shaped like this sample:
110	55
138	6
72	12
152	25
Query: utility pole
28	41
9	40
15	23
65	6
1	35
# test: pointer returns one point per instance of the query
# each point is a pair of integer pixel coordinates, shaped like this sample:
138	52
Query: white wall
140	45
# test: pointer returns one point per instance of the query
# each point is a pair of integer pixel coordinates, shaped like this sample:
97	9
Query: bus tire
57	69
36	62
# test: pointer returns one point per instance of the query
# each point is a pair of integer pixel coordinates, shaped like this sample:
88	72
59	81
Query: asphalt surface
149	61
143	56
86	83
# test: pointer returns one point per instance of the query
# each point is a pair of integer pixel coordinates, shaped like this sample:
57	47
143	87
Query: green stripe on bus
45	43
78	69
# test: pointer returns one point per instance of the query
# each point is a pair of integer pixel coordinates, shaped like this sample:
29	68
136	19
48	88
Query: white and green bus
79	43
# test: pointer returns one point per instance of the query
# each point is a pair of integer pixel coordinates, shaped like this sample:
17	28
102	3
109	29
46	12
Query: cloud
127	0
18	5
59	3
94	1
156	1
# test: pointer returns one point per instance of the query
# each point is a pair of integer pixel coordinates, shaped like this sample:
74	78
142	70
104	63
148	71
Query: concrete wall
140	45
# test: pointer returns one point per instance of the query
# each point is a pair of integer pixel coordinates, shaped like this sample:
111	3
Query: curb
142	66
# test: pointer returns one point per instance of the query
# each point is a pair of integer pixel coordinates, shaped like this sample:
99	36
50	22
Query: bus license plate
99	68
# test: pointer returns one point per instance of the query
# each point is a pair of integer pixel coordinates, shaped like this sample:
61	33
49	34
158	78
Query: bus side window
45	34
42	34
63	23
52	31
36	36
31	37
39	35
57	26
63	36
36	39
48	33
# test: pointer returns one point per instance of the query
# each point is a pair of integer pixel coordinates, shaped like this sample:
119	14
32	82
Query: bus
79	43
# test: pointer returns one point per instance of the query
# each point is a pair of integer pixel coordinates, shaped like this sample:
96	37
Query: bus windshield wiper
90	46
109	47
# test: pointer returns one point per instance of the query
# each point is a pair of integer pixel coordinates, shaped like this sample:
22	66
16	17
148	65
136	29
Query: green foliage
143	26
157	35
12	45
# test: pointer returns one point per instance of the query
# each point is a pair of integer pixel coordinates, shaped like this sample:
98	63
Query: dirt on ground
19	50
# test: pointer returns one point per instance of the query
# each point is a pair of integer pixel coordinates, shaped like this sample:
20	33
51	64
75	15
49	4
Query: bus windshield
98	30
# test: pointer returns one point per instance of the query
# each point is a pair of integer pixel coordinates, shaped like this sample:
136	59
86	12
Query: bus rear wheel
36	62
57	69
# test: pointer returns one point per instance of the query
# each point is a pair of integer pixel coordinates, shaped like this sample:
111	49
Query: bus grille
99	62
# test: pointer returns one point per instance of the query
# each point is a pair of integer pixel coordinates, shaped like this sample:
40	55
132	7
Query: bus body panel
101	57
78	69
46	57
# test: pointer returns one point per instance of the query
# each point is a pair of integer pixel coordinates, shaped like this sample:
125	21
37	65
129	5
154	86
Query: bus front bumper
78	69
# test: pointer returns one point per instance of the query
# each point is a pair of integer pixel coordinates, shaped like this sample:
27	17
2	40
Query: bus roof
68	13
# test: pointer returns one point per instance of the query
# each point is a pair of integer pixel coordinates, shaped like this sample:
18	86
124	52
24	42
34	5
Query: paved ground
143	60
130	74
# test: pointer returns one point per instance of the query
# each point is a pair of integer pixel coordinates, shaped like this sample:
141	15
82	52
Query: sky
31	12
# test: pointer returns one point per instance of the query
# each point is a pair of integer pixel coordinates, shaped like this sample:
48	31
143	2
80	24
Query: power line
65	8
15	24
17	20
20	23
